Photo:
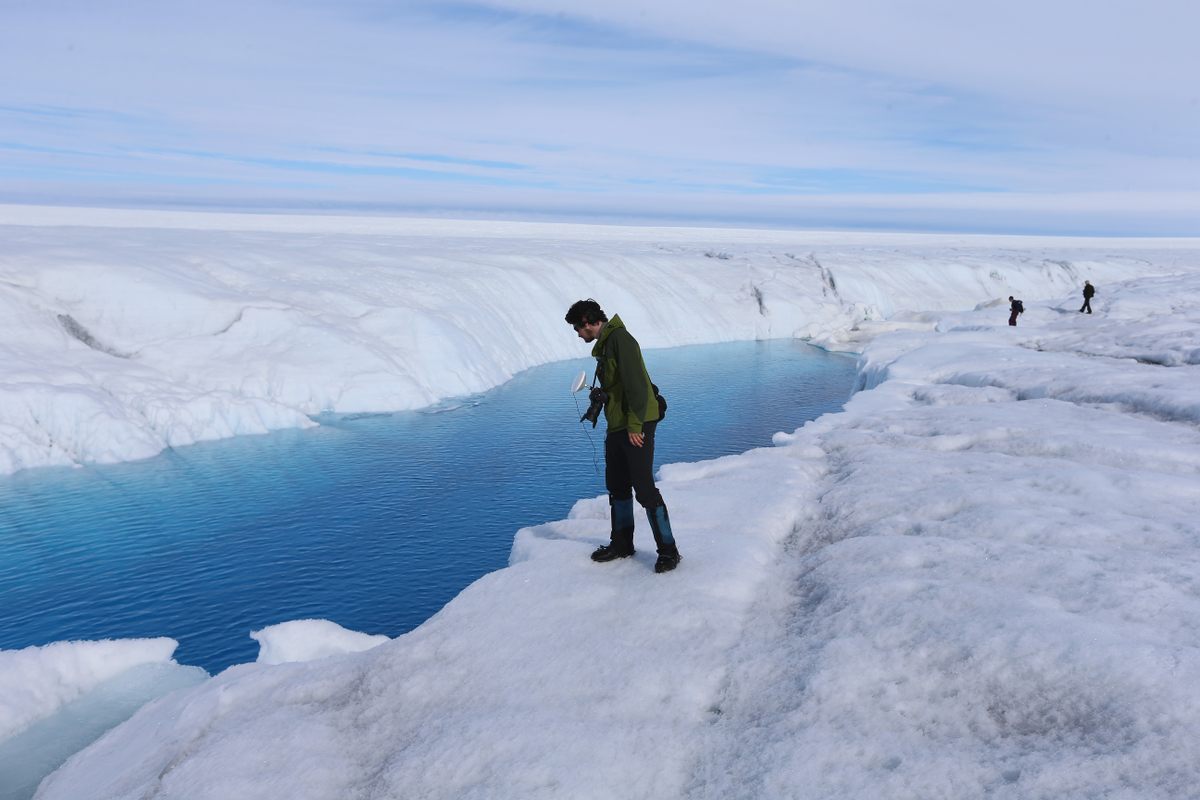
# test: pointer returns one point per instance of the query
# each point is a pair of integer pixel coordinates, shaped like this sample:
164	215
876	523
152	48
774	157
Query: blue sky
1059	116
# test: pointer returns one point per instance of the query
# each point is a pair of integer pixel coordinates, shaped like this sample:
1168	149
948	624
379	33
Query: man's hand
637	439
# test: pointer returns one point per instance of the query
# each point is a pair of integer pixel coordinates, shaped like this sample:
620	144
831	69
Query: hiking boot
611	552
620	544
666	562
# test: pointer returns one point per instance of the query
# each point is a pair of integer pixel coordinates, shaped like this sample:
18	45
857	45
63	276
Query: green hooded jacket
631	401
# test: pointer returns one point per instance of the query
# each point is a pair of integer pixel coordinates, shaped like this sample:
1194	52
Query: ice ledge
376	315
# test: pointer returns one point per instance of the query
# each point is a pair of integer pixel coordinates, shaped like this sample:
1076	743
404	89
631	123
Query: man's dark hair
585	312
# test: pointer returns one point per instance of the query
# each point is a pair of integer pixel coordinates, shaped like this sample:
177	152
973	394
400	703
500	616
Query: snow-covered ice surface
126	332
57	699
37	681
979	580
308	640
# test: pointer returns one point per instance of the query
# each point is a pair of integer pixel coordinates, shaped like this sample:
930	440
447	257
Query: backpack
1018	306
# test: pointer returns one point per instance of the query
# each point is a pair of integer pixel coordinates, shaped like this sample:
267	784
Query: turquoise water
374	522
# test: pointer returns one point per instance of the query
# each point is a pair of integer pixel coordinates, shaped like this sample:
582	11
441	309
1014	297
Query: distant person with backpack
1015	308
1088	292
632	410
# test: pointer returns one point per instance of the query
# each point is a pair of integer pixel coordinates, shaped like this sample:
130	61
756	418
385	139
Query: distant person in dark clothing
1015	307
1088	291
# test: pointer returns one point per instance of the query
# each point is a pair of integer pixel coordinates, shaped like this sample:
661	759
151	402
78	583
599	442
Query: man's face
588	331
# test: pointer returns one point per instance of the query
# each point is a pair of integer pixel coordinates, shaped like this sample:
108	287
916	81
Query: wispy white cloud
873	113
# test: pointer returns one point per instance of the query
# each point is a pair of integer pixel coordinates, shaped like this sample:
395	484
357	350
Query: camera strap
598	376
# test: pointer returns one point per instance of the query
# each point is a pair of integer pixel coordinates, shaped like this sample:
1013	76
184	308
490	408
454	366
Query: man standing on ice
1088	291
631	413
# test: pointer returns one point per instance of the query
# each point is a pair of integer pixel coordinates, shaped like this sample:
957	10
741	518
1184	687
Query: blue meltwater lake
374	522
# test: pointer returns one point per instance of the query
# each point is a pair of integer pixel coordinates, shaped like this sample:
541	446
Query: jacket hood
608	328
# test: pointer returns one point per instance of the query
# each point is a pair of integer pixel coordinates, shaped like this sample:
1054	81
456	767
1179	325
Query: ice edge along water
974	581
126	333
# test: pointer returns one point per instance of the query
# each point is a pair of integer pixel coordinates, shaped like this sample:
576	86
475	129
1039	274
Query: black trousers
629	470
1087	305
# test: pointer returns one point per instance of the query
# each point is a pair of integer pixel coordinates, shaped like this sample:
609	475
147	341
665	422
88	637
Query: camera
598	398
